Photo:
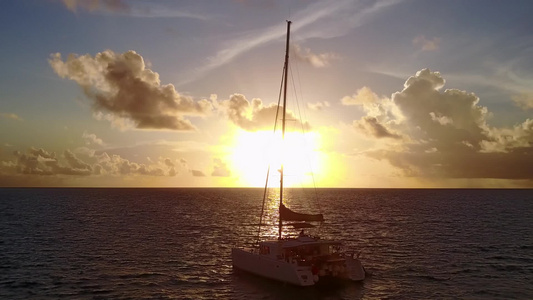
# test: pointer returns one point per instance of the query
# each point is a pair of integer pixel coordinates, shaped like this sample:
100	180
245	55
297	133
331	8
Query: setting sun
266	149
254	151
388	106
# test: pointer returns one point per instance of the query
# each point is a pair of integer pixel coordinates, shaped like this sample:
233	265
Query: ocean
176	243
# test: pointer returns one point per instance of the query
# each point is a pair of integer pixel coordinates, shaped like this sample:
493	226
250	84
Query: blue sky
380	118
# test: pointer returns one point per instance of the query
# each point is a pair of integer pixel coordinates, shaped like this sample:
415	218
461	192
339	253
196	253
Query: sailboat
303	260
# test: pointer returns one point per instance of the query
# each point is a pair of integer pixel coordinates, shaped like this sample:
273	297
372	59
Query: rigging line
303	130
317	203
268	169
263	206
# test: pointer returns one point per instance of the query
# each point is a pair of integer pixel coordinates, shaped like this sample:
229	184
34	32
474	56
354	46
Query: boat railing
301	262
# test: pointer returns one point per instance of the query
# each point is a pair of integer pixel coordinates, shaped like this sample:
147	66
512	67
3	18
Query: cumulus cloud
442	120
316	60
92	139
94	5
37	161
126	93
253	116
41	162
117	165
75	162
183	164
371	126
172	167
220	169
381	114
443	134
363	96
426	44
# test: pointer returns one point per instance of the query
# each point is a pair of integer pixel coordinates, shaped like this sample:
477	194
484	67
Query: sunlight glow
254	151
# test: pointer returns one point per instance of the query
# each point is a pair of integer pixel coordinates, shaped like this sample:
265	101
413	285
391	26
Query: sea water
176	243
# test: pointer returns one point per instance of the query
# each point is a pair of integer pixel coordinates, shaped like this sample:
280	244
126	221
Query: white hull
291	261
277	269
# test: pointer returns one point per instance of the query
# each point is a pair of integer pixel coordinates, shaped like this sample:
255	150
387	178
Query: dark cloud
371	126
197	173
40	162
253	116
123	89
172	171
380	114
444	134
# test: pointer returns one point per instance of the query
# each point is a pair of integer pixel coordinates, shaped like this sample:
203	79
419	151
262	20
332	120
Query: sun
254	152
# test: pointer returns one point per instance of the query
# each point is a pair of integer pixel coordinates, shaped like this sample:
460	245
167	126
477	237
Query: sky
386	94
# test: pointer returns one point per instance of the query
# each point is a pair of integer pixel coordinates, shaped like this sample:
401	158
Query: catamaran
303	260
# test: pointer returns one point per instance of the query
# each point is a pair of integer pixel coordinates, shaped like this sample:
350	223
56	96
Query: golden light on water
253	152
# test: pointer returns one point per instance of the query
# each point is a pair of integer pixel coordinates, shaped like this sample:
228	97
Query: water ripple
176	243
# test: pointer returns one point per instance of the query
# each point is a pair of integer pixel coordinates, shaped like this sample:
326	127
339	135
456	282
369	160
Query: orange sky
390	94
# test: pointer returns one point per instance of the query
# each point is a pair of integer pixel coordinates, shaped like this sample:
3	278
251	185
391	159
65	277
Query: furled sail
288	215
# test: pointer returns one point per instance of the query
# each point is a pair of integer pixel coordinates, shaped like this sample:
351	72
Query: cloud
39	162
363	96
197	173
137	9
253	116
318	105
524	101
321	19
316	60
181	164
220	169
94	5
335	18
371	126
172	171
10	116
442	120
75	162
161	9
426	44
92	139
118	165
380	114
444	134
128	94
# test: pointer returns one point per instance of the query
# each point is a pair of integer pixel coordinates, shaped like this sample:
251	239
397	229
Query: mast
286	70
